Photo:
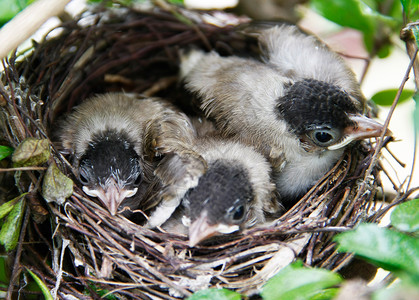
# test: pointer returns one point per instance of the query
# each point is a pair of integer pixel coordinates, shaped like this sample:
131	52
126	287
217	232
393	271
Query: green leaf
42	286
56	186
348	13
386	97
326	294
9	8
389	249
9	233
411	8
369	41
298	282
362	16
176	2
122	2
219	294
31	152
8	206
396	11
103	293
405	216
5	151
351	13
384	50
3	269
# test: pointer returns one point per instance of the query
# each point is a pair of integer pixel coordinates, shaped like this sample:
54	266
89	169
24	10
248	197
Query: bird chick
114	138
175	174
300	105
234	193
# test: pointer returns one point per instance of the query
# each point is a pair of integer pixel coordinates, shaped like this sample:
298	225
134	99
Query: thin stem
22	169
414	159
380	141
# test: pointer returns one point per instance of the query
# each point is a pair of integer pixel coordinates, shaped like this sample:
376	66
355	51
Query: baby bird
234	192
114	140
299	106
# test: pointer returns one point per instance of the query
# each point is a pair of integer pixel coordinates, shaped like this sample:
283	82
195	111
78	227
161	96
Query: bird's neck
300	172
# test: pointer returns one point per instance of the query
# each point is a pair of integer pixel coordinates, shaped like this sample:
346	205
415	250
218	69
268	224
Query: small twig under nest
138	51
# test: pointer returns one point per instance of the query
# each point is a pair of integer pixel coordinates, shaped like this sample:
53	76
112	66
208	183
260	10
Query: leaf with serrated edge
9	233
31	152
56	186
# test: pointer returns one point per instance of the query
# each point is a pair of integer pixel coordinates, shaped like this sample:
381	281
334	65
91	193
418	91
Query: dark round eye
324	137
238	213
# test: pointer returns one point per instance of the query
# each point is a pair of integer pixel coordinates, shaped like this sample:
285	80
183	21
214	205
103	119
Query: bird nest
92	252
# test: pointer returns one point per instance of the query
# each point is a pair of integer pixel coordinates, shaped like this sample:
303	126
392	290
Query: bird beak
201	229
111	195
364	128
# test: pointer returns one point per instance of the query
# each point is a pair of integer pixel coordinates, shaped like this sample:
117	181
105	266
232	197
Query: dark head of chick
110	169
221	201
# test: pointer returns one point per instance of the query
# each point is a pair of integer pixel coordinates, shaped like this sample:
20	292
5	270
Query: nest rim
157	263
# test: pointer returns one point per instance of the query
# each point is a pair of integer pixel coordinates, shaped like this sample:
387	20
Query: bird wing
171	134
176	173
239	95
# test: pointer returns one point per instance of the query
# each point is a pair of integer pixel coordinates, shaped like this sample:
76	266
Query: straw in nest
137	51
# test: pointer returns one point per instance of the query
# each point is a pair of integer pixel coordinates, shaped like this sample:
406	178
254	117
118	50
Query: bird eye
324	137
238	213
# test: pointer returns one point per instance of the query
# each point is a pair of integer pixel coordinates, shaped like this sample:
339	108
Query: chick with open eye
235	191
300	105
114	140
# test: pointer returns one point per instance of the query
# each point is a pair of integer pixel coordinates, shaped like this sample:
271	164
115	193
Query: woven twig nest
137	51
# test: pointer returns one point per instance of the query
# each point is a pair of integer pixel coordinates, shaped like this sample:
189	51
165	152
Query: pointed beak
364	128
111	195
201	230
